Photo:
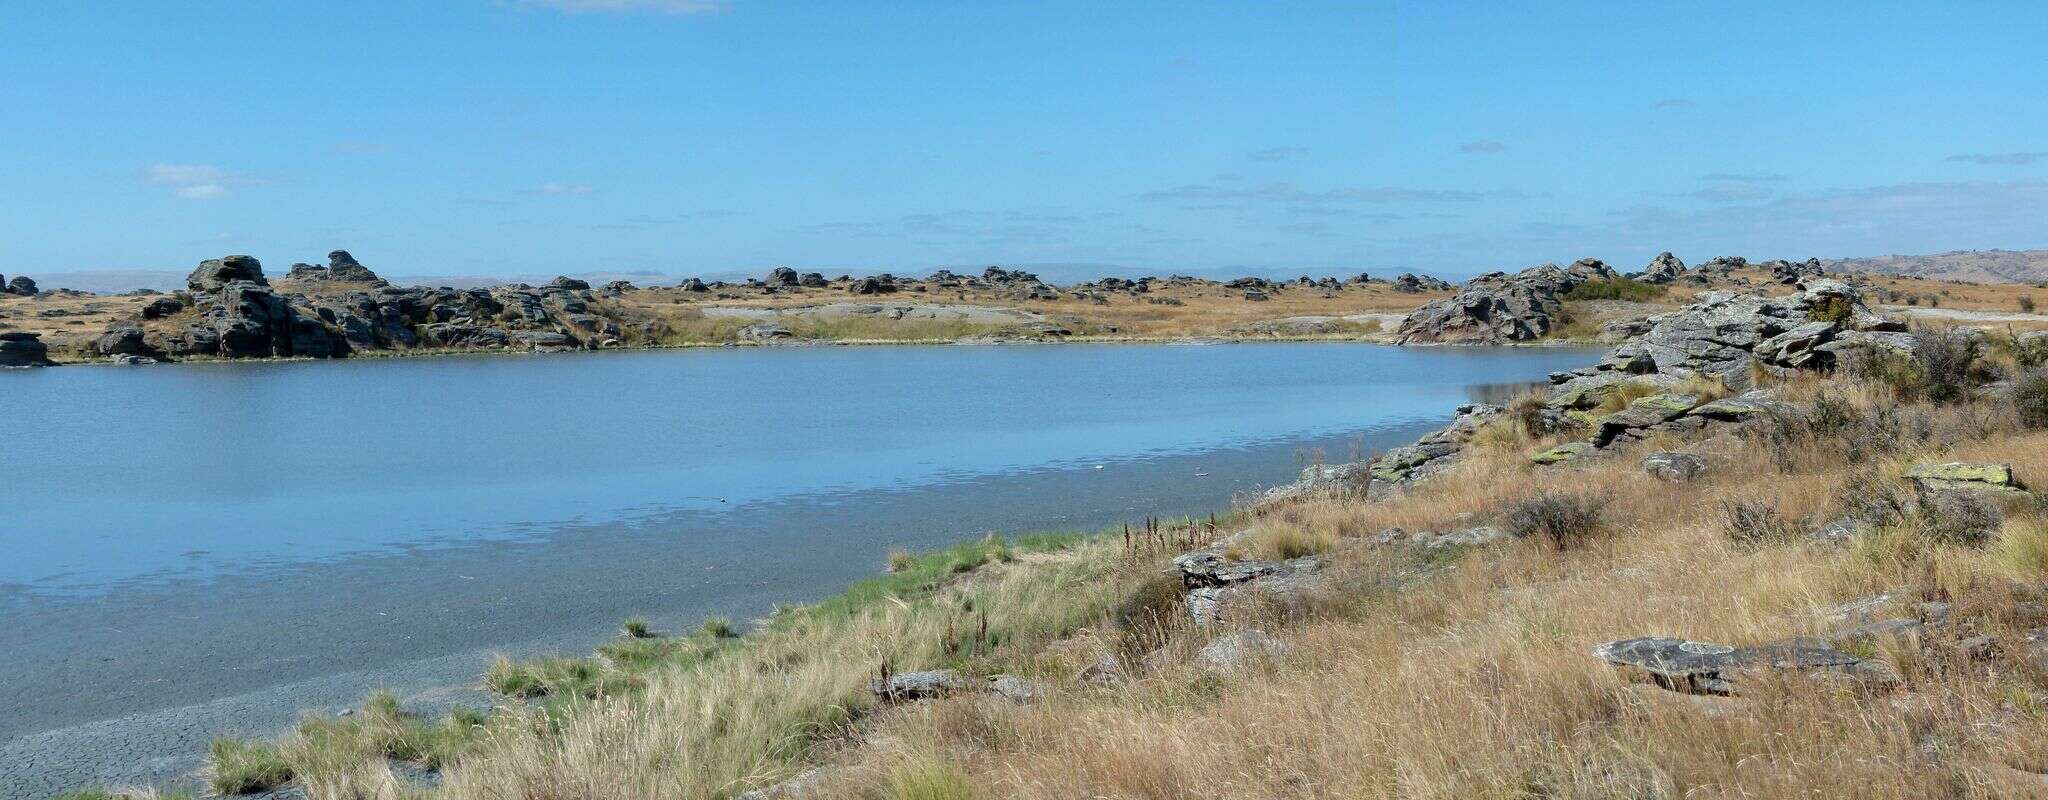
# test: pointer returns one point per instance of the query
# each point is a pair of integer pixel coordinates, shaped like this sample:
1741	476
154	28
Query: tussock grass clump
928	780
1620	395
1277	540
1564	520
636	627
242	766
719	628
901	561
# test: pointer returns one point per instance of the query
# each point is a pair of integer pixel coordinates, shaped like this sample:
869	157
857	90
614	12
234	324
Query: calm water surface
120	475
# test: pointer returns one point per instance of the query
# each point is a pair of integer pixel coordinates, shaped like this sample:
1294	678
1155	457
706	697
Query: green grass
931	780
636	627
241	766
1616	289
719	628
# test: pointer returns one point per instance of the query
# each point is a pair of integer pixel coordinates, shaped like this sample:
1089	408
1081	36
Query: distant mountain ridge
1983	266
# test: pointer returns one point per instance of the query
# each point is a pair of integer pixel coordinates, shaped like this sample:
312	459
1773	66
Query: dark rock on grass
764	332
23	349
22	285
783	276
162	307
121	340
214	274
693	285
564	282
919	685
1674	467
813	280
1879	629
1708	668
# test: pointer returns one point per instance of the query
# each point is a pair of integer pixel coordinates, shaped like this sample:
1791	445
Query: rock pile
1497	308
341	268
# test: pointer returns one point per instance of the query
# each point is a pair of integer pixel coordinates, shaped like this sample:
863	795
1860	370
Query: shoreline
428	353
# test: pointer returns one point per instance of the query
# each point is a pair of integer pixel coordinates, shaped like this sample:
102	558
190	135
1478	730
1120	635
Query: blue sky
694	136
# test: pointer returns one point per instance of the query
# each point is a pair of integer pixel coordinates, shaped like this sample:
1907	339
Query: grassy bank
1411	671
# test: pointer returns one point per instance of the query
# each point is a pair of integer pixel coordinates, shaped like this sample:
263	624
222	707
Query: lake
208	547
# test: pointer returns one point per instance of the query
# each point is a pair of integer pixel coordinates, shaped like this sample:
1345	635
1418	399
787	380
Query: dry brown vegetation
1414	674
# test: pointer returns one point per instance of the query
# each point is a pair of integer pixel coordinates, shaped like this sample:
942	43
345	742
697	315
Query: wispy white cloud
1482	146
563	189
1731	193
2000	159
197	181
671	7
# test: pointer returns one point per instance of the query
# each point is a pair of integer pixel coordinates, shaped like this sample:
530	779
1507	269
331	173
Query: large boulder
784	276
121	340
215	274
343	267
23	349
22	285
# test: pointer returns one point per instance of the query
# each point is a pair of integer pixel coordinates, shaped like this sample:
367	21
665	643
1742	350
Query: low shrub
1755	522
1563	520
1616	289
636	627
2030	399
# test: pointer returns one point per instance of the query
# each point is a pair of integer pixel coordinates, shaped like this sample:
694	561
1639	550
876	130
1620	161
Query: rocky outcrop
23	349
1665	268
1993	479
1726	335
1497	308
239	315
341	268
21	285
1410	283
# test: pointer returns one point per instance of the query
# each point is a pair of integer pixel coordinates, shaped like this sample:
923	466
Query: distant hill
1984	266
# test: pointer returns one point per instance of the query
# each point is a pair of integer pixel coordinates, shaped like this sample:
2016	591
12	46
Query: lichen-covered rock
1963	476
1708	668
214	274
1569	451
1643	413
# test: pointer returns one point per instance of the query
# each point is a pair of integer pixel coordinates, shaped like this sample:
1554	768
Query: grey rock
1877	629
1665	268
121	340
1477	536
22	285
805	784
1839	531
1674	467
918	685
1105	670
162	307
783	276
1020	690
693	285
1499	308
763	332
1234	651
1708	668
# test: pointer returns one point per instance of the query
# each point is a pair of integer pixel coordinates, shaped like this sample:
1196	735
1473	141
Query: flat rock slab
1957	475
919	685
1709	668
